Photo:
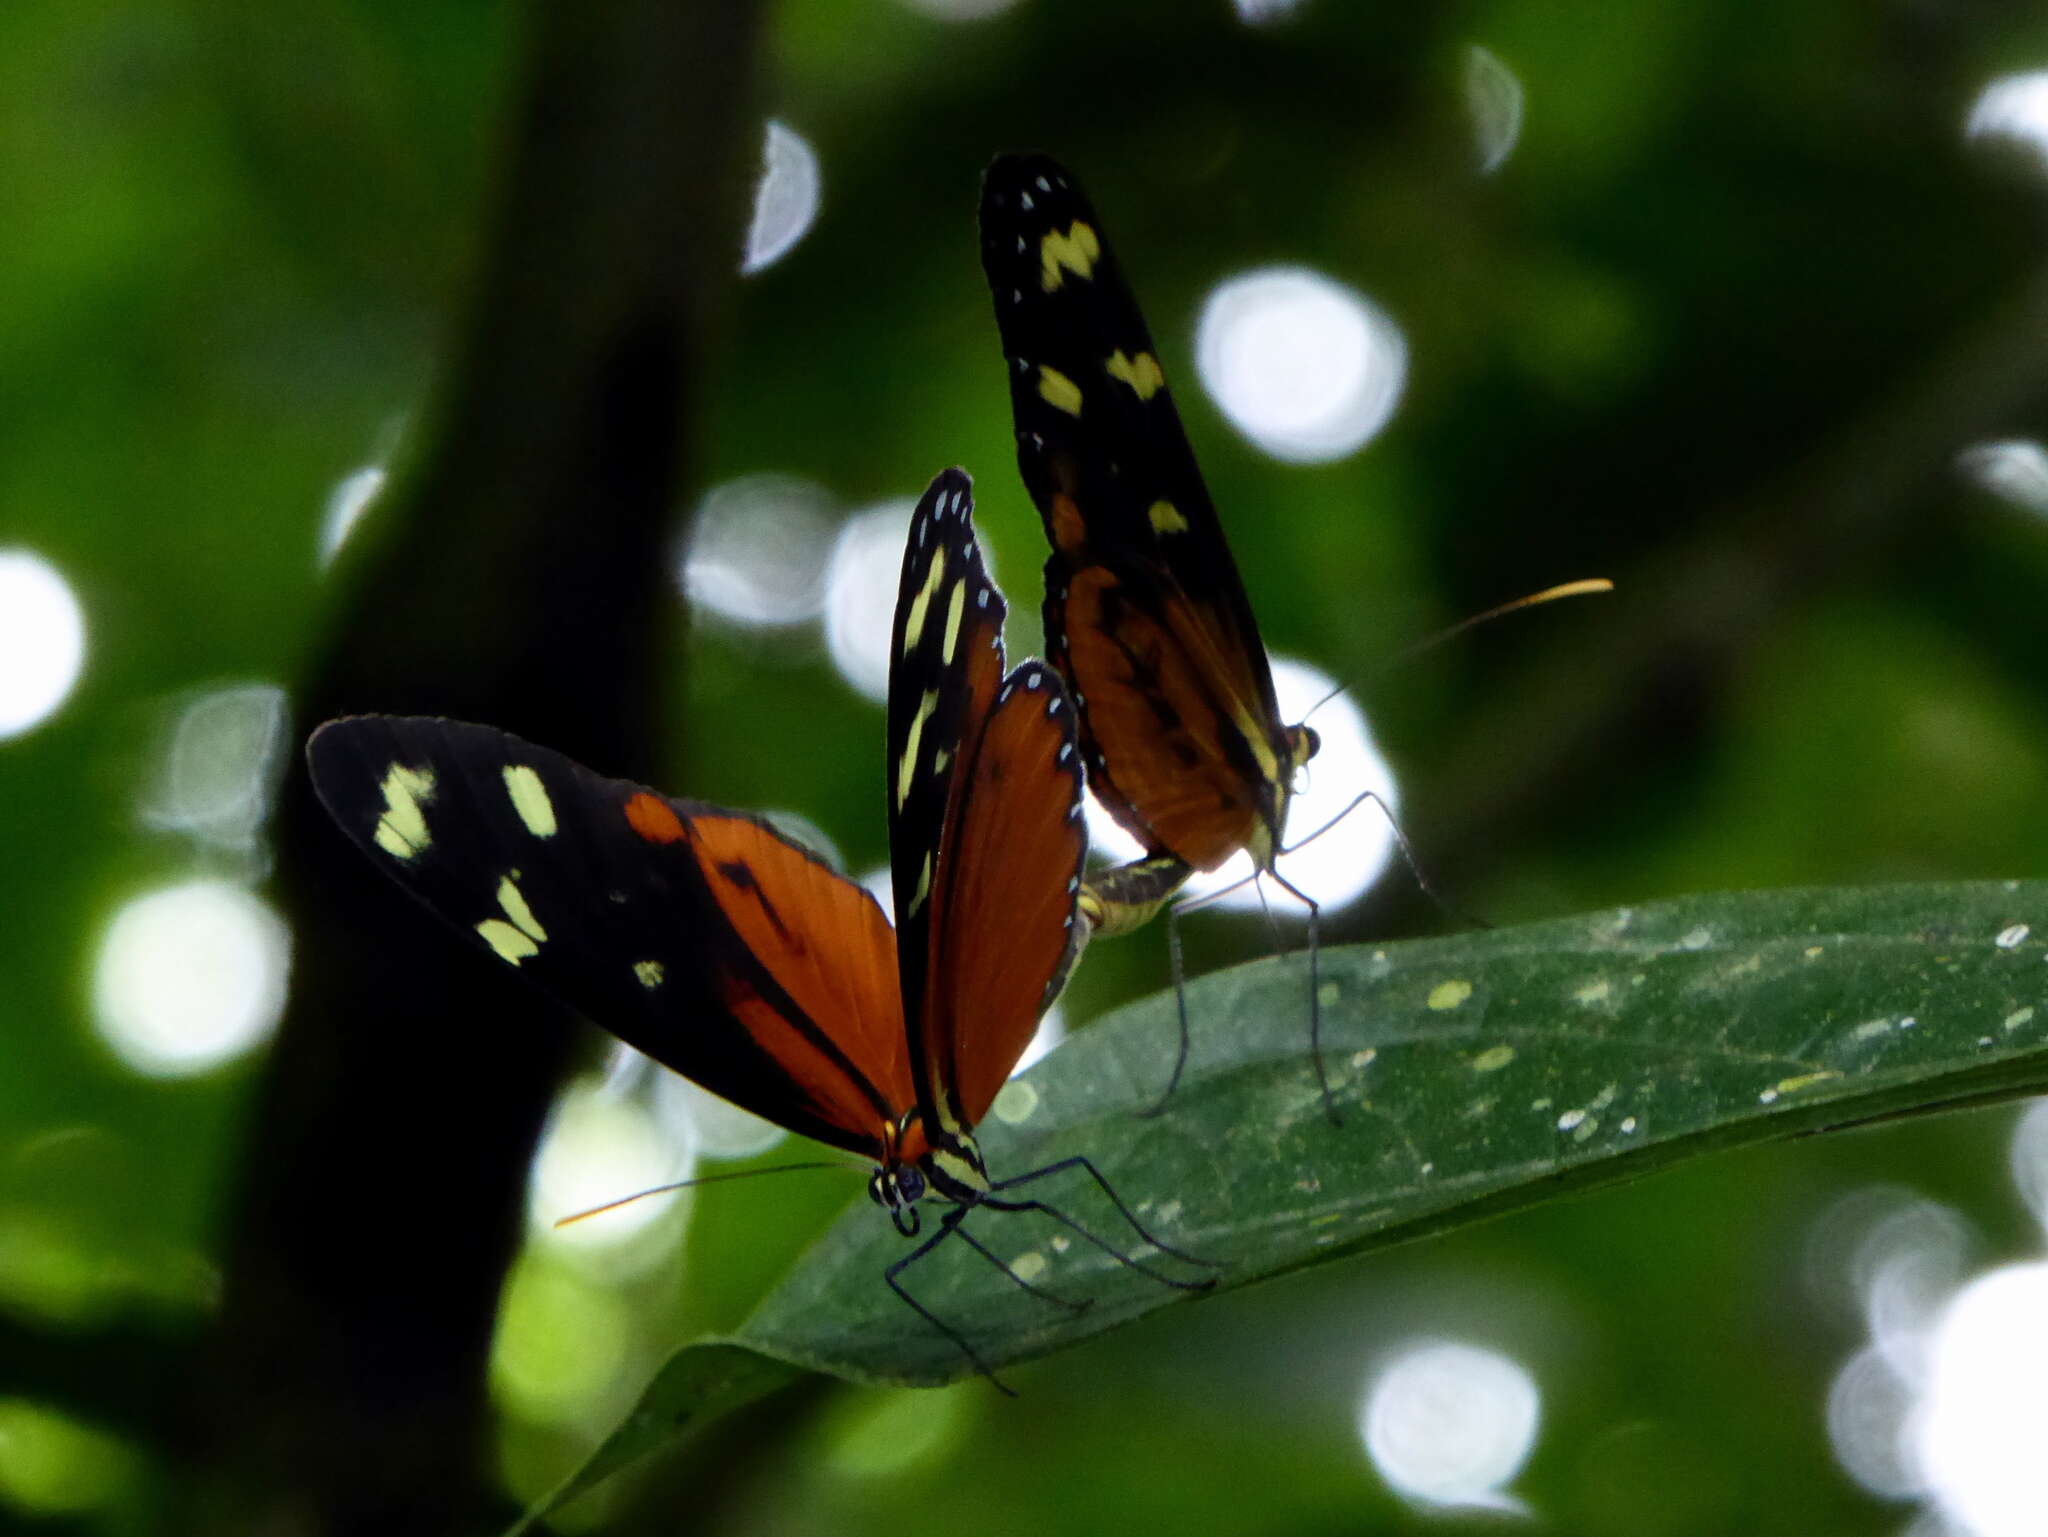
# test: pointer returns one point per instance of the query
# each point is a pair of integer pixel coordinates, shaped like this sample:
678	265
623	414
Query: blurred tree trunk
520	575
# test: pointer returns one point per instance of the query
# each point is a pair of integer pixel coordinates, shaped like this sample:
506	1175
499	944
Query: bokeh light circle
2013	111
353	495
1450	1424
602	1146
190	976
1493	101
785	201
1867	1414
219	765
2015	470
42	641
860	593
1303	366
1983	1420
757	550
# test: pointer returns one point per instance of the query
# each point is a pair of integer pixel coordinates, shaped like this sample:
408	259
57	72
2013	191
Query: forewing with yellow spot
699	935
1145	614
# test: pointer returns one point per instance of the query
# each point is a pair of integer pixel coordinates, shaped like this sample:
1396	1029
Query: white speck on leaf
2012	936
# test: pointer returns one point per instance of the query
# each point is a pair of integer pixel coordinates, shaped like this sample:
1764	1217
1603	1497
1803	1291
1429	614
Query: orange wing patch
826	945
1167	717
1004	900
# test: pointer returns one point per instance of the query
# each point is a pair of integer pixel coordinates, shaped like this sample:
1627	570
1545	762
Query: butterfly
735	956
1145	614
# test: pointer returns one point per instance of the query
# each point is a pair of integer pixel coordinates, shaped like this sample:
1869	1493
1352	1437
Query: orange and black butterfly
1145	615
736	957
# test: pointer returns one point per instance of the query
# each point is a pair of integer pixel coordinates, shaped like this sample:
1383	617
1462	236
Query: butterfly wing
698	935
945	666
984	819
1004	933
1145	613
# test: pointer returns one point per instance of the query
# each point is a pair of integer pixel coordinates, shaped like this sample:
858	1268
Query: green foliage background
1717	330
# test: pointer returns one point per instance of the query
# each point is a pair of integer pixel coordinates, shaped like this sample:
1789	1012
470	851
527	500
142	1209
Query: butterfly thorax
949	1166
954	1166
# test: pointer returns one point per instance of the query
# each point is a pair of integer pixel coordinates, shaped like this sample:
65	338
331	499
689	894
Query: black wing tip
1034	676
1014	177
950	494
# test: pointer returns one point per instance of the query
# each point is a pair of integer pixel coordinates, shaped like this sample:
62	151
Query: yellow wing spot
1074	252
511	945
913	622
402	829
513	901
1166	519
906	766
523	935
924	885
953	616
1058	391
530	799
650	973
1142	373
1449	995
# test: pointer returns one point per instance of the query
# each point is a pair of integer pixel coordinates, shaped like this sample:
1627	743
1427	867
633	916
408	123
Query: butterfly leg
1004	1266
948	1226
1079	1161
1422	881
1315	989
1128	897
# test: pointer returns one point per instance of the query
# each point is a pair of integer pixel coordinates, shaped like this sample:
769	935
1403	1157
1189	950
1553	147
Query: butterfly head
1302	745
897	1188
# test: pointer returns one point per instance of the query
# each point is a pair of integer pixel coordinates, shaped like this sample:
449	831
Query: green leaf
698	1384
1475	1074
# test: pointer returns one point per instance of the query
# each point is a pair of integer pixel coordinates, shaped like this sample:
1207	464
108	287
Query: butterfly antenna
705	1179
1582	588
